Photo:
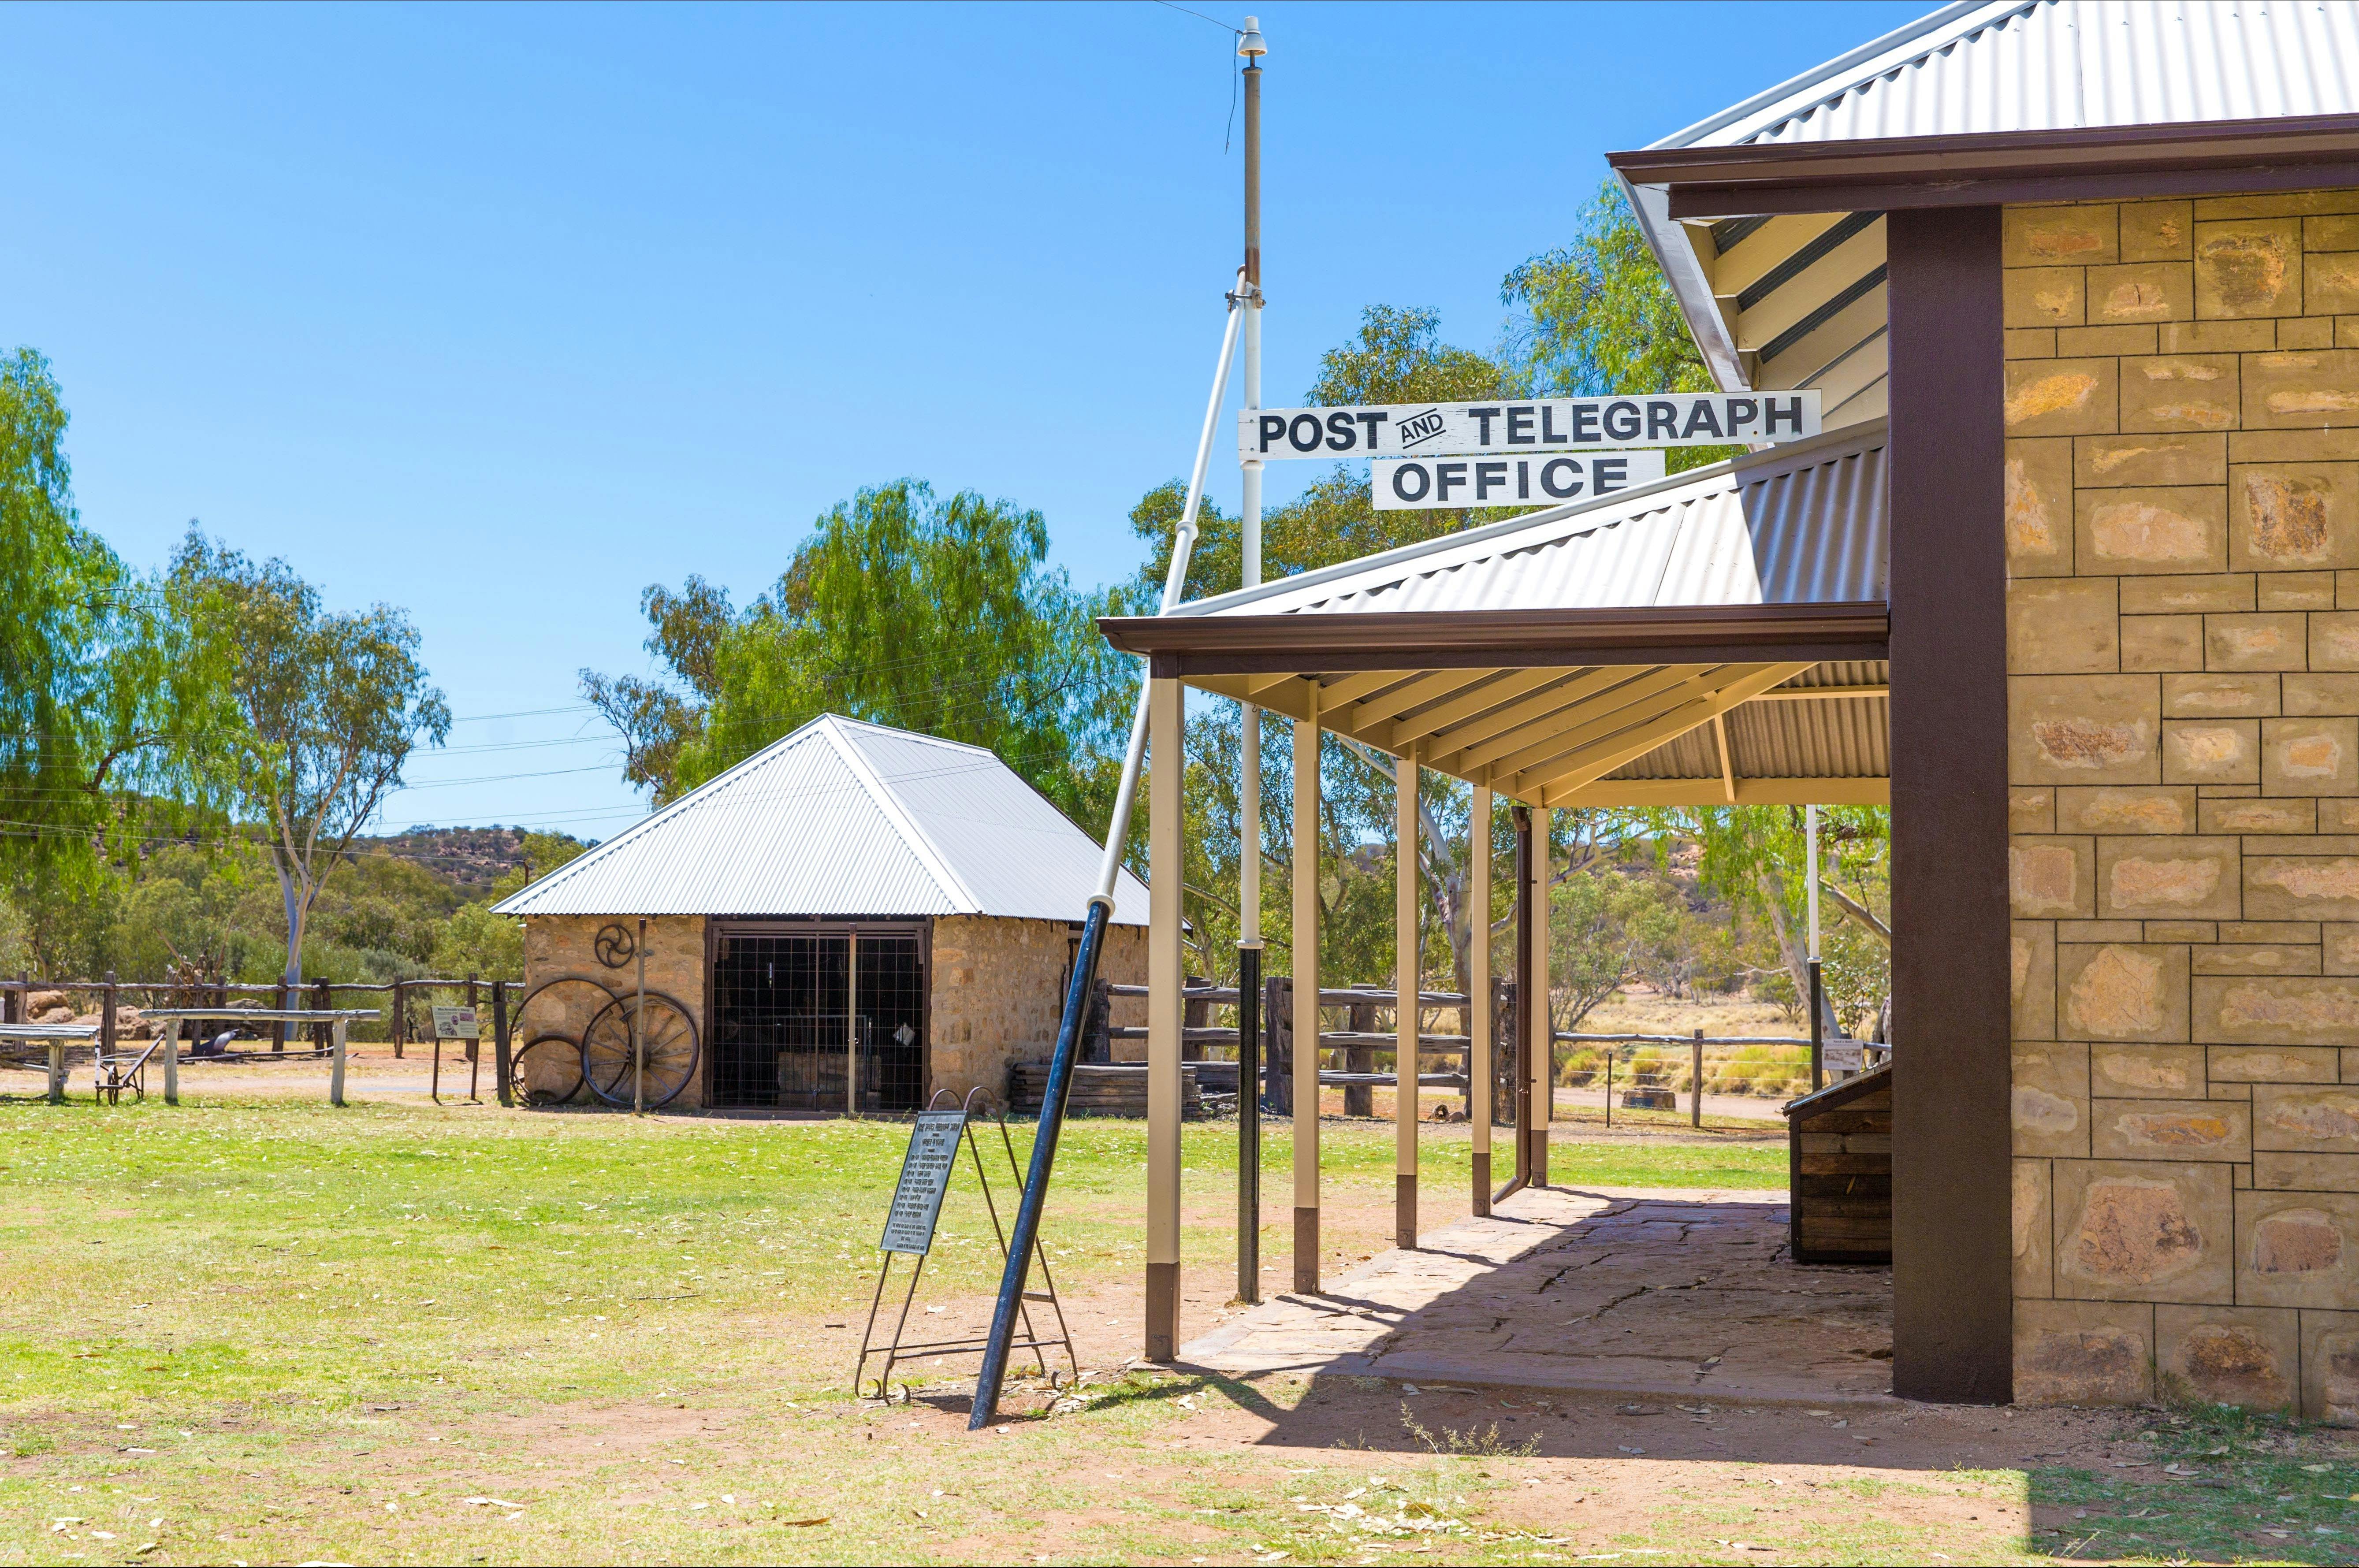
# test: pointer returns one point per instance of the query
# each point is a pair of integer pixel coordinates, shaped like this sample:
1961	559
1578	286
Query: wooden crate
1840	1182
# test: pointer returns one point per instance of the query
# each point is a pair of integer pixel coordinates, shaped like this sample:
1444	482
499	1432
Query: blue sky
499	314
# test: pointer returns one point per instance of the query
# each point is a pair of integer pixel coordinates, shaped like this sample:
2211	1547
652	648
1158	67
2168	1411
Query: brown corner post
1954	1311
1695	1081
400	1021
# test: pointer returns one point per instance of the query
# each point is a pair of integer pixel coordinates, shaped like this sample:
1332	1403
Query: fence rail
1715	1064
110	993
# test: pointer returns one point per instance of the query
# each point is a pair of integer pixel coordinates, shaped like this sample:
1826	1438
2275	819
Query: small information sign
1497	479
925	1178
1839	1055
456	1023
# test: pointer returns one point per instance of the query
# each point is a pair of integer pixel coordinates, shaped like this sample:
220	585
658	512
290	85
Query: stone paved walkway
1642	1292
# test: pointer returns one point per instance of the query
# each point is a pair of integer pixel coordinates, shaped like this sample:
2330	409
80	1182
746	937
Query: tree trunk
295	901
1798	962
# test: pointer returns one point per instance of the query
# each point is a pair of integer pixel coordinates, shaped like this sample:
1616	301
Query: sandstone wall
564	945
999	992
2182	529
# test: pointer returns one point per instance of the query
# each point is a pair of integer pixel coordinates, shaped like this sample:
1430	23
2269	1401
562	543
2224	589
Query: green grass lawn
271	1332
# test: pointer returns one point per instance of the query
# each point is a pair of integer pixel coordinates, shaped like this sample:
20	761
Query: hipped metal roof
1790	293
846	818
1716	638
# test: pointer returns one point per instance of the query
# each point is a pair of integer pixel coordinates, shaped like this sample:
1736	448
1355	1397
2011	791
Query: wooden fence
108	994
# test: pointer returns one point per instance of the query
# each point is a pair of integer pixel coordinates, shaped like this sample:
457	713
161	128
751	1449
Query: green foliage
330	705
475	941
1755	856
1603	923
1599	317
937	616
1398	356
541	854
654	720
98	702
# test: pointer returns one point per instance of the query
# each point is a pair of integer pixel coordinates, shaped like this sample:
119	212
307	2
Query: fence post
500	1039
1695	1083
1097	1042
1194	1013
336	1032
400	1021
1360	1099
474	1050
1609	1085
12	1007
106	1035
1277	1025
323	999
278	1025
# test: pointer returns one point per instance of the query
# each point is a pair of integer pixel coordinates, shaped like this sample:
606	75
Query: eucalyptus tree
329	707
101	704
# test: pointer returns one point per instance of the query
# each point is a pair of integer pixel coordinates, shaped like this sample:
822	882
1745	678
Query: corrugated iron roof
2034	65
1798	301
843	817
1803	524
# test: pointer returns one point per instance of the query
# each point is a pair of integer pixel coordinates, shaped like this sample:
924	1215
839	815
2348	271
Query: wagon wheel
671	1050
546	1072
548	1003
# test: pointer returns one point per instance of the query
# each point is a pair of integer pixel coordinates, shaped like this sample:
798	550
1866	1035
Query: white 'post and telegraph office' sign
1402	484
1544	451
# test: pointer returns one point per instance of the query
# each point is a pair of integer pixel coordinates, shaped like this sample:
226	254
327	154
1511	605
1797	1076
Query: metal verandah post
1165	1005
1407	1061
638	1031
1478	997
1306	1039
1540	1021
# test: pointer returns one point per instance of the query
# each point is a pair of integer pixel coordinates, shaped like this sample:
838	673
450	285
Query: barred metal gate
795	1011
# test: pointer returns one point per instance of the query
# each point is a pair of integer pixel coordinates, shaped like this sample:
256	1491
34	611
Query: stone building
2075	286
850	894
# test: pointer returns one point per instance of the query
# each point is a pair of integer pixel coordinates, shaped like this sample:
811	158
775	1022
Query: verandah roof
1716	638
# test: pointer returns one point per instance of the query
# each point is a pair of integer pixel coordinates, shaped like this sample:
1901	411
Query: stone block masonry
557	945
2182	532
998	994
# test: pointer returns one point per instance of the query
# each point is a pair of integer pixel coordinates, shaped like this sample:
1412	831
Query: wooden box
1840	1162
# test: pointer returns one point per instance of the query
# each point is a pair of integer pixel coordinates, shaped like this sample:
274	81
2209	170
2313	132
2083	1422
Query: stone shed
851	903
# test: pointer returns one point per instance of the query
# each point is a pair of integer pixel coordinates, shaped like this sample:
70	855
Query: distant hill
472	858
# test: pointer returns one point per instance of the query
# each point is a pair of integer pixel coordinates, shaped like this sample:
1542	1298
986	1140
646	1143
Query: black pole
1818	1031
500	1038
1044	1159
1249	1122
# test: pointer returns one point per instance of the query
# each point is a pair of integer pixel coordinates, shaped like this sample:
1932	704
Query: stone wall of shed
2182	530
563	945
999	992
